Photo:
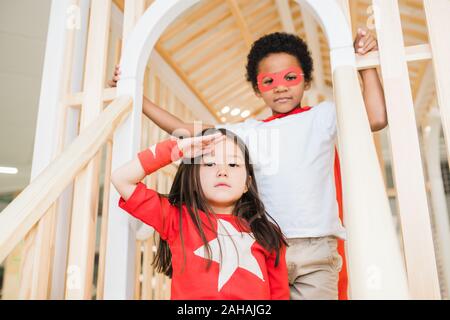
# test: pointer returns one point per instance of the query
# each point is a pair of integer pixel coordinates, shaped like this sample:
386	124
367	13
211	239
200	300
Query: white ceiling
23	29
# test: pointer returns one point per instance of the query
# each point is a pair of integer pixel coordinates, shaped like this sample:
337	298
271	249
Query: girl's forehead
226	148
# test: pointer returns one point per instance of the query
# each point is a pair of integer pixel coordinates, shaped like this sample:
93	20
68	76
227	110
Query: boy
294	154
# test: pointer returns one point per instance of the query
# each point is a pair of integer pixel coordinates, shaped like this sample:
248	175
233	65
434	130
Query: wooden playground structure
64	237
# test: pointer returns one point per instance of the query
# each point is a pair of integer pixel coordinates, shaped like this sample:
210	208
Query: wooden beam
120	4
245	31
198	33
312	38
438	13
423	93
76	99
186	80
412	53
190	19
179	88
284	10
355	16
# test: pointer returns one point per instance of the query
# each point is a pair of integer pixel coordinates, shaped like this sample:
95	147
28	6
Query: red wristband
159	156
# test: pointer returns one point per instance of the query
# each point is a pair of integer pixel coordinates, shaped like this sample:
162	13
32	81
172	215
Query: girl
216	239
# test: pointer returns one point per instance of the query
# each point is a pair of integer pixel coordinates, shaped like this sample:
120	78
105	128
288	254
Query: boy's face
287	94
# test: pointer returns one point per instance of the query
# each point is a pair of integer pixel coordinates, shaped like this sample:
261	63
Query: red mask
268	81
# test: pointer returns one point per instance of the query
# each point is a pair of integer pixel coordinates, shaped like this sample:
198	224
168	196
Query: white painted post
406	159
47	141
119	268
65	202
46	138
375	263
432	133
438	13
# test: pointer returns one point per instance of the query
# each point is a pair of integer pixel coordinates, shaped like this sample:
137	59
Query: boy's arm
170	123
373	92
162	118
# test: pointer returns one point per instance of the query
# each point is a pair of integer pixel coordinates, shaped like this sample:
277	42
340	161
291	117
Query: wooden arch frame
366	204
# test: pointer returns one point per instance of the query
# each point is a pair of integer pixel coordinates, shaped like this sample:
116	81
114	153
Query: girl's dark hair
278	42
186	191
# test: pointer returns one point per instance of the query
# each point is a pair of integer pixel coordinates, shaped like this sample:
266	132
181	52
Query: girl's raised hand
197	146
365	42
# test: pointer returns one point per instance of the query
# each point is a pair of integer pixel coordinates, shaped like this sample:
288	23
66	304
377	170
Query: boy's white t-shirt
293	159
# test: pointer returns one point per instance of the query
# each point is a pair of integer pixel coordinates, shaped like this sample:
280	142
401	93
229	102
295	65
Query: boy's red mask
268	81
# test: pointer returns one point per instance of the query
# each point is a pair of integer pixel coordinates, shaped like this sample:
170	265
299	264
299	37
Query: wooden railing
30	206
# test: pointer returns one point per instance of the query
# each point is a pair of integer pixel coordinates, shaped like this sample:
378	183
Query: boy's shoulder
239	128
325	104
326	108
250	122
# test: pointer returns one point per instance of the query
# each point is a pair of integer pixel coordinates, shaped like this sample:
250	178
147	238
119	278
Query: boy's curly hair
278	42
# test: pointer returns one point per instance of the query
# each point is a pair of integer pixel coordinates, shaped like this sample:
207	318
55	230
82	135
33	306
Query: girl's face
284	95
223	176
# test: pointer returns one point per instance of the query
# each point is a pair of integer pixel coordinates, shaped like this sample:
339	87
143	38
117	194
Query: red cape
343	278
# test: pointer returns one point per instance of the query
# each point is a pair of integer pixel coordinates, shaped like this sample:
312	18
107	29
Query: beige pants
313	268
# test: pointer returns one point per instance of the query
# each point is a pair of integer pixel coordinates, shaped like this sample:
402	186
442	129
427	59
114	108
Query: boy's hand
197	146
365	42
113	82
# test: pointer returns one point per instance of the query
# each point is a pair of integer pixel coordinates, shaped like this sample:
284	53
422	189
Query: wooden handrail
27	209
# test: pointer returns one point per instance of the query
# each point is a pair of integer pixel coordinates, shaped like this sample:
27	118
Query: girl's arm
373	92
162	118
126	178
146	204
141	202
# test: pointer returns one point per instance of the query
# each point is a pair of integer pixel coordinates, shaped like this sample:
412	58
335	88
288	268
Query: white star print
236	252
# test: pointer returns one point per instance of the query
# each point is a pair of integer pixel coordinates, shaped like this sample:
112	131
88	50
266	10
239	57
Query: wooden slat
85	201
204	75
138	262
198	33
438	19
213	56
412	53
104	226
36	284
409	179
314	47
148	270
185	78
285	13
242	24
11	277
189	19
76	99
